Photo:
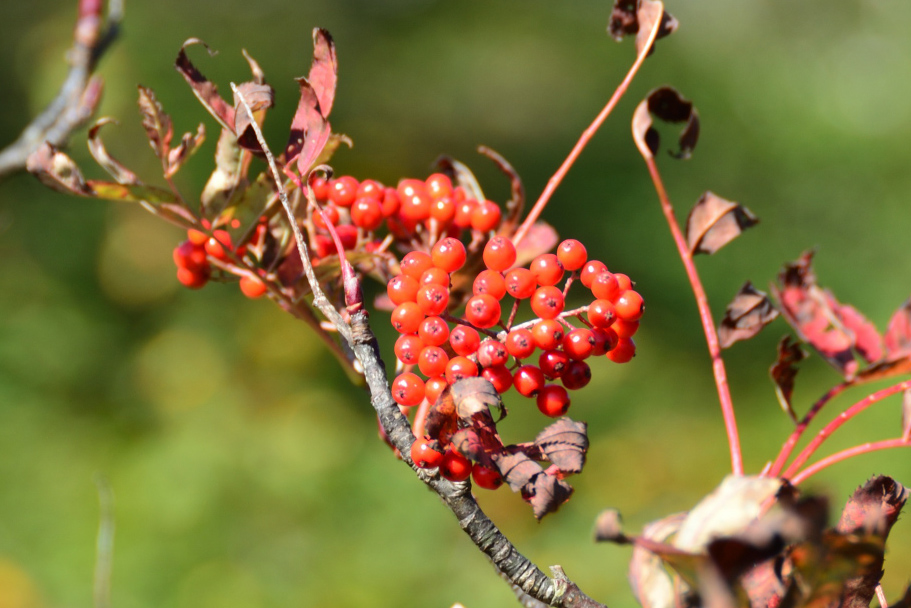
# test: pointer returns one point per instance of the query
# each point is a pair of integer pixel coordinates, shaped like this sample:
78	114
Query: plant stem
705	313
586	136
865	448
840	420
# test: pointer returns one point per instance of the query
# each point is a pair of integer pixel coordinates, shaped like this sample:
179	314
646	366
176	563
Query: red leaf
564	443
545	494
309	130
323	74
746	315
205	91
110	164
156	123
57	170
666	104
783	372
867	341
259	97
714	222
898	333
540	238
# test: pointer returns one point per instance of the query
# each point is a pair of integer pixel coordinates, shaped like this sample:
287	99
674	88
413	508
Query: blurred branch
80	93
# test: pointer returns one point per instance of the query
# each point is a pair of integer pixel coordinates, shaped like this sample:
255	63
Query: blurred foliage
245	469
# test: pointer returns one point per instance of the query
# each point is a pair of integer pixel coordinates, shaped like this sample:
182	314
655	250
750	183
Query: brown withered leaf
205	91
189	144
259	77
516	202
110	164
745	316
874	507
630	17
898	333
564	443
442	421
609	527
156	123
476	397
469	444
259	97
461	175
784	371
323	75
57	170
714	222
545	494
517	469
666	104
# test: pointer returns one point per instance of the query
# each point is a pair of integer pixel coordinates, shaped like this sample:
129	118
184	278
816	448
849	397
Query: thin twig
837	457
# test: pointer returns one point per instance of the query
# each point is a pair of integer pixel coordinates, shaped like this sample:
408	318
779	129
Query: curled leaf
516	202
57	170
110	164
714	222
156	123
630	17
188	145
564	443
517	469
205	91
545	494
224	184
259	97
745	316
309	130
651	583
259	77
666	104
783	372
462	175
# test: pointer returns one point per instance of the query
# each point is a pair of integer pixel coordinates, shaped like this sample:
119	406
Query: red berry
547	302
347	234
520	283
591	269
320	186
464	209
454	466
326	215
577	375
197	237
432	299
432	361
323	246
408	348
415	207
443	210
390	202
520	343
499	253
553	400
423	455
486	216
499	376
624	281
448	254
601	313
629	305
572	254
626	329
547	269
343	190
190	256
370	188
486	478
553	363
579	344
623	352
482	311
464	340
605	286
407	389
407	317
402	288
548	334
411	187
194	279
435	275
490	282
252	286
528	380
217	245
492	352
605	340
438	185
460	368
415	263
433	331
434	387
367	213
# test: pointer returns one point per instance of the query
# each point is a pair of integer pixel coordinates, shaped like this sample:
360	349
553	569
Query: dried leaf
714	222
666	104
609	527
516	202
564	443
228	178
259	97
898	333
630	17
188	146
874	507
867	341
205	91
745	316
259	77
156	123
57	170
517	469
323	75
133	193
108	162
545	494
651	583
783	372
462	176
309	130
474	398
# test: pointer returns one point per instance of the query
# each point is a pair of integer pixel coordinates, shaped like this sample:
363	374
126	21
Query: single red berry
432	299
579	344
464	340
322	246
190	256
448	254
486	216
415	207
548	334
432	361
520	343
605	286
490	282
626	329
499	253
624	281
605	340
433	331
482	311
218	244
438	185
412	187
343	190
320	186
252	286
370	188
434	387
436	275
577	375
443	210
547	269
499	376
367	213
454	466
390	202
520	283
197	237
402	288
408	389
553	400
623	352
486	478
572	254
601	313
347	234
464	209
528	380
591	269
423	454
415	263
407	317
547	302
408	348
194	279
326	215
460	368
553	363
629	305
492	352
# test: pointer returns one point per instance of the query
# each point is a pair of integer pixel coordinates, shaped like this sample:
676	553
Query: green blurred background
246	470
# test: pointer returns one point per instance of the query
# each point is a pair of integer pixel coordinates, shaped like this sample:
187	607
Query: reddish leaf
651	583
867	341
476	398
259	77
630	17
309	130
540	238
898	333
714	222
906	415
188	145
107	162
609	527
517	469
545	494
745	316
564	443
469	444
156	123
442	421
259	97
57	170
323	74
783	372
666	104
205	91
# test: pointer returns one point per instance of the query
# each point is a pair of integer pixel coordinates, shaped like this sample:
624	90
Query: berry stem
846	415
705	313
586	136
420	417
788	448
837	457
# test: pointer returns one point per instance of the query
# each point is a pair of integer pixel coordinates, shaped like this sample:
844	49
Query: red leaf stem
837	457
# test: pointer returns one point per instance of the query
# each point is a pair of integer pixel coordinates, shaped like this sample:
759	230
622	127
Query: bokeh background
246	471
